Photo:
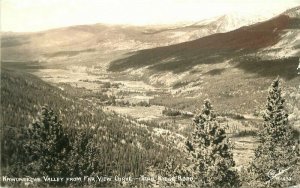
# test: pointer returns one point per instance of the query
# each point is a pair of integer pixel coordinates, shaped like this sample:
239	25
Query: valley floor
131	99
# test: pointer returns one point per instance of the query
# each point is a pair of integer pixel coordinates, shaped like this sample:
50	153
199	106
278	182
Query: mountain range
262	38
228	59
230	68
105	39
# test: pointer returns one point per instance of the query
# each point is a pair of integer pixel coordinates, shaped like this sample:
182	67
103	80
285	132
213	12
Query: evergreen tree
50	150
177	171
211	152
277	149
46	147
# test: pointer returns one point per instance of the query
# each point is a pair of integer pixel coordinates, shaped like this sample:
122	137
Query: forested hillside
121	147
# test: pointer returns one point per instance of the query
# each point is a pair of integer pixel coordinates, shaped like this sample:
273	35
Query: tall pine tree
46	147
277	151
211	152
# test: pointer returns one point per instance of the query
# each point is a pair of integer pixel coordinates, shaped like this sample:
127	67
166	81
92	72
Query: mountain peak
293	12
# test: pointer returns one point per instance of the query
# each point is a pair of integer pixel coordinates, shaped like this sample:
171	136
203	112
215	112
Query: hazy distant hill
100	40
211	49
261	38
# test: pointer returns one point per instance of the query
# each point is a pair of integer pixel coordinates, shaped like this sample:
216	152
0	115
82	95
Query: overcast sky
36	15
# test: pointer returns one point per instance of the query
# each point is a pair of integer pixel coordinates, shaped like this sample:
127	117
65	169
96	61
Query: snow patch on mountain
220	24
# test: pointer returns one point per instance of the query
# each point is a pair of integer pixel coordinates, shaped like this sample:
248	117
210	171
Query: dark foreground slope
125	148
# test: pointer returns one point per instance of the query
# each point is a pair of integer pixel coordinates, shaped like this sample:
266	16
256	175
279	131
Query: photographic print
150	93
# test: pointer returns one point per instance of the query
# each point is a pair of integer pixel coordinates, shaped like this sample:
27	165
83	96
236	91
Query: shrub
170	112
143	103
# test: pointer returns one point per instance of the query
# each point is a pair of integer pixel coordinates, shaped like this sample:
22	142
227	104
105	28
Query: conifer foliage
277	150
211	152
47	146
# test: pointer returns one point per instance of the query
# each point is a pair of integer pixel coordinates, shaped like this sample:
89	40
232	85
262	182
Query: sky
37	15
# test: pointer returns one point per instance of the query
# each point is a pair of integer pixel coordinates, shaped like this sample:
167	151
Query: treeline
175	112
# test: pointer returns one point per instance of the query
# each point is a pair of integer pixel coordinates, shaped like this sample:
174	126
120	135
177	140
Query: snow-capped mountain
219	24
